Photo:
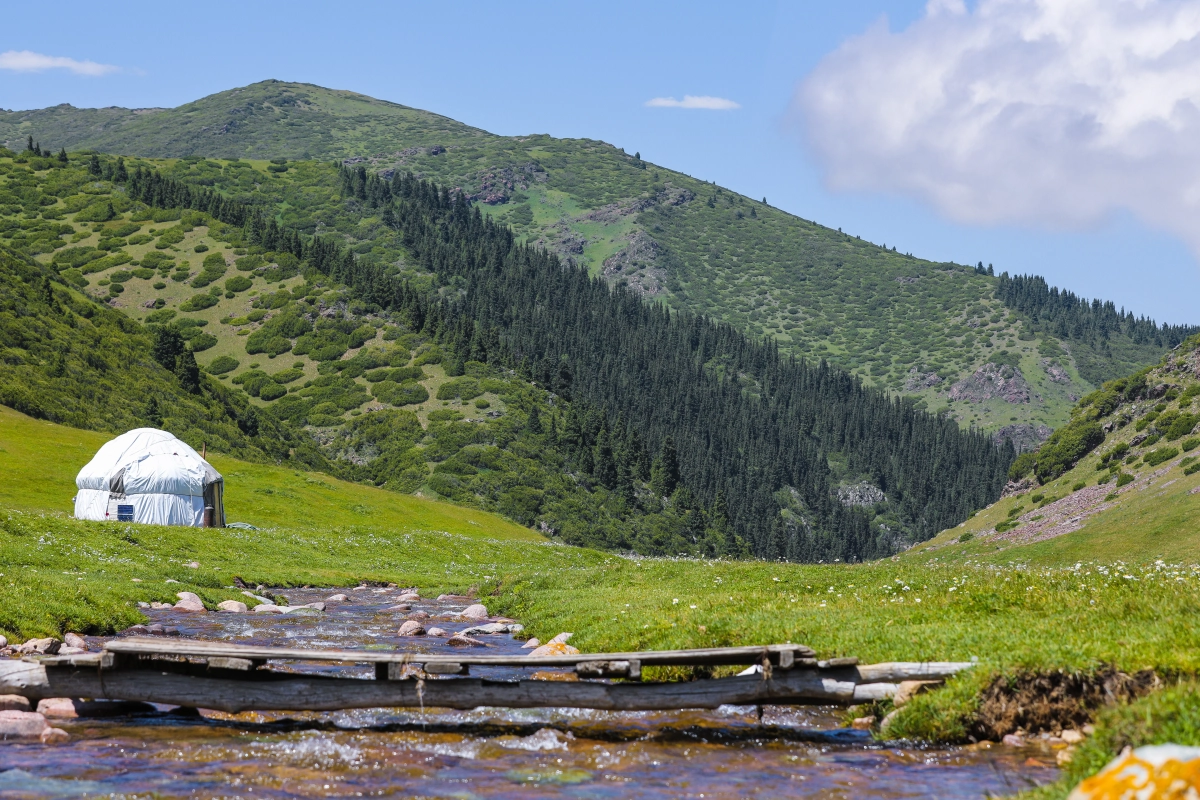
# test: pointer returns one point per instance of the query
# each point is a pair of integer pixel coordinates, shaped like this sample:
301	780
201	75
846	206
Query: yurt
147	475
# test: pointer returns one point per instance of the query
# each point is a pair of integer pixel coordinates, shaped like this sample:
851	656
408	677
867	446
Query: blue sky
588	71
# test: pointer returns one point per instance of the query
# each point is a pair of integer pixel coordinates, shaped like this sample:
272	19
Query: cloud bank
1051	113
28	61
694	101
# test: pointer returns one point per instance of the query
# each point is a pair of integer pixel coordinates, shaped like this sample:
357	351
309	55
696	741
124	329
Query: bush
966	537
199	302
201	248
1078	486
1156	457
288	375
272	391
1190	444
400	394
1066	446
1124	479
222	364
1022	466
1007	525
463	388
238	283
1181	426
1192	470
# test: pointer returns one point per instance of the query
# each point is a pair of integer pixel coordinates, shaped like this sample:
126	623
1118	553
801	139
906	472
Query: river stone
419	615
907	690
409	597
1071	736
562	638
453	598
71	651
54	736
48	646
458	640
438	632
191	606
160	606
476	611
136	630
14	702
553	648
57	707
531	644
404	607
317	606
3	641
21	726
75	640
232	606
337	598
1012	740
268	608
490	628
195	598
412	628
301	611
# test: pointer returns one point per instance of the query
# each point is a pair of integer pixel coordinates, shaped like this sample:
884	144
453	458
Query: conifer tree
120	176
29	144
534	423
188	371
605	465
168	346
152	413
62	156
664	473
94	166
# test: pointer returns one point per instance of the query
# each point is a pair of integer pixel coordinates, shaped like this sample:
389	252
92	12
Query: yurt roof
148	461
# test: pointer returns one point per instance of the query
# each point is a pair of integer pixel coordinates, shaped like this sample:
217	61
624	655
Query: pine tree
120	176
152	413
562	381
168	346
94	166
188	371
62	156
664	473
534	423
29	144
605	470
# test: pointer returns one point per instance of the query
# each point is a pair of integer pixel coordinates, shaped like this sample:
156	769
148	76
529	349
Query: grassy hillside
1133	496
933	331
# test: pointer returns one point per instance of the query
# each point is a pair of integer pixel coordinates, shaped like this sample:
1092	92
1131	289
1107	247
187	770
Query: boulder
476	611
54	736
268	608
75	640
1012	740
317	606
418	615
21	726
531	644
190	606
458	640
232	606
57	707
399	608
453	598
13	702
191	596
337	598
160	606
3	641
1162	770
438	632
553	648
48	646
410	597
489	628
412	628
863	723
562	638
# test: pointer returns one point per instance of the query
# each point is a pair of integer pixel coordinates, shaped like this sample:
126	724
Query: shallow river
486	753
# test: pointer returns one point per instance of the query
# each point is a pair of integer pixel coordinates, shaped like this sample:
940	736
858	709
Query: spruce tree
188	371
120	176
664	473
534	423
94	166
605	465
152	413
168	346
62	156
29	144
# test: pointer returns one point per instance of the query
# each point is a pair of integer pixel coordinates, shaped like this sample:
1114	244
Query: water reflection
485	753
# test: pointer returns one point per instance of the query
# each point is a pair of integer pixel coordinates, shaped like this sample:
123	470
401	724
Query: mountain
960	341
413	343
1116	484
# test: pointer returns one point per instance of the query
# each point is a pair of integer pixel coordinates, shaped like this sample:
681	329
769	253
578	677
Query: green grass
820	292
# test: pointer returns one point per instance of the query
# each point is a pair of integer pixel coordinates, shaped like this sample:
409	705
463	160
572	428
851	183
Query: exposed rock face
992	380
860	494
638	264
1016	487
917	380
1023	437
1056	372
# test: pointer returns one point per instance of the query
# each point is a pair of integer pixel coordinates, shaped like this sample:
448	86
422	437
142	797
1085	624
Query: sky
1055	137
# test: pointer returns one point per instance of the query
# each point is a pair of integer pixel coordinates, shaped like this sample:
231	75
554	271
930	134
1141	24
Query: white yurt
147	475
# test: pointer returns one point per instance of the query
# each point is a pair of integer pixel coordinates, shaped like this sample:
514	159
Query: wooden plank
292	692
896	671
714	656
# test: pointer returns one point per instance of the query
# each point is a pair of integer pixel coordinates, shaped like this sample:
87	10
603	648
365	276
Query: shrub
160	317
1193	469
238	283
400	394
1124	479
1007	525
143	273
201	248
966	537
1078	486
463	388
1153	440
1181	426
1022	466
222	364
272	391
1156	457
288	375
202	342
1037	498
1066	446
159	285
198	302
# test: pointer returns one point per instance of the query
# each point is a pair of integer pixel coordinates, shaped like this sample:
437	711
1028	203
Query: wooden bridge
234	677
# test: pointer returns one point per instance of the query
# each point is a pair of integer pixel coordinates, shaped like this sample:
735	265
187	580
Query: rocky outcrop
860	494
637	263
990	381
917	380
1023	437
1055	371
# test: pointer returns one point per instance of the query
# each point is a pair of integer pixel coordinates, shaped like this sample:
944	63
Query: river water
485	753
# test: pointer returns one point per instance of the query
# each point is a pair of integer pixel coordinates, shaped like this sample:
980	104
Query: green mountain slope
934	331
1119	483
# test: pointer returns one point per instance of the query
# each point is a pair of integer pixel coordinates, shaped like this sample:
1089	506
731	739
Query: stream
485	753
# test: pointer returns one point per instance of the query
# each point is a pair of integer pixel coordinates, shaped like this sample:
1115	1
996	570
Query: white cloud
1052	113
28	61
694	101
